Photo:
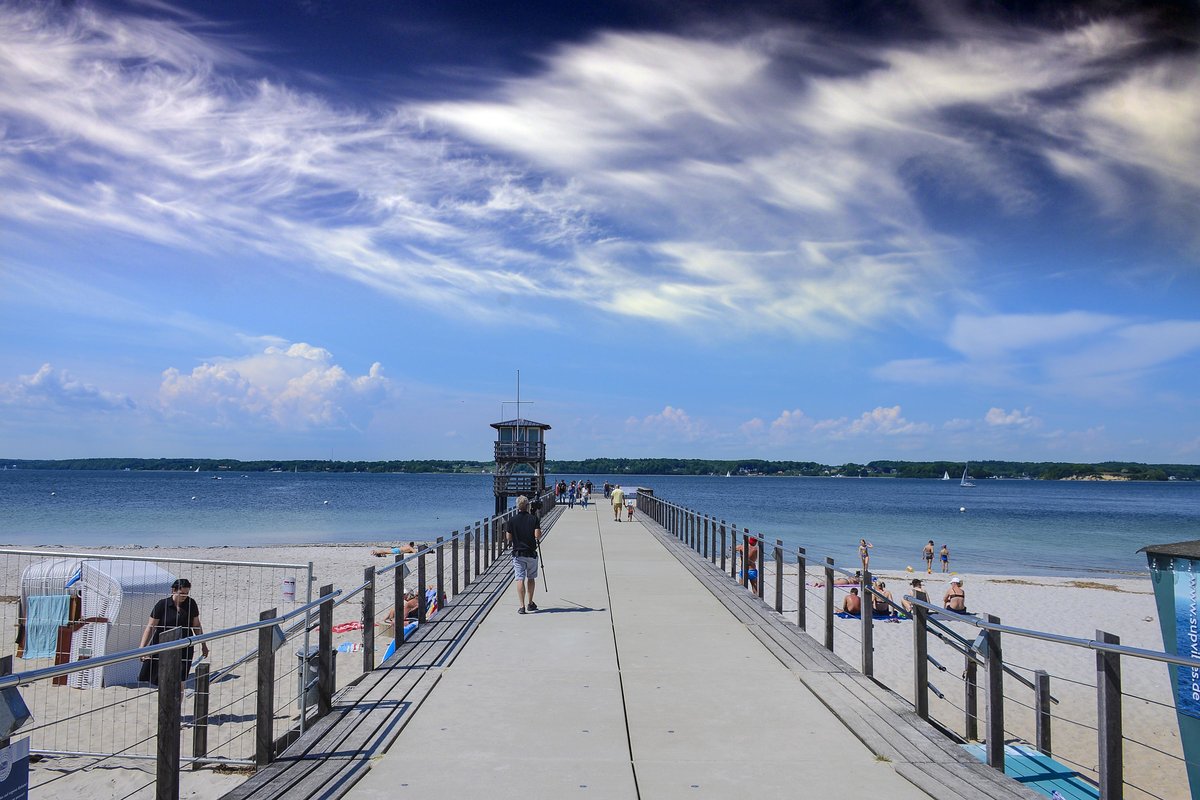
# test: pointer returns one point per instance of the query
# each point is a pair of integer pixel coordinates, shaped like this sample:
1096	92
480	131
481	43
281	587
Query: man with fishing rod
523	533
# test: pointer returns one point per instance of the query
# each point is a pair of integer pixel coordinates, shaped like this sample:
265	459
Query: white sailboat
946	475
965	482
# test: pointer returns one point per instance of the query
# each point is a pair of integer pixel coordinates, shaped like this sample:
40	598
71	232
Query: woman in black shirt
177	611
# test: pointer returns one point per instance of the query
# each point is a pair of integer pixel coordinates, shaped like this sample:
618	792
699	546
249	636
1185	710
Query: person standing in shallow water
927	554
522	533
945	554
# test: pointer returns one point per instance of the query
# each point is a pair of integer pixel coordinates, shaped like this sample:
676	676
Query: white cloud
51	389
998	417
696	176
670	423
293	388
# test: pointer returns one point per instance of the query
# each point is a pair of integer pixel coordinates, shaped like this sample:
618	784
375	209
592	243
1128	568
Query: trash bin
307	671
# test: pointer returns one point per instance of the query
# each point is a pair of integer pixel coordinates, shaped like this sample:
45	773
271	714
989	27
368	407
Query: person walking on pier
618	501
522	533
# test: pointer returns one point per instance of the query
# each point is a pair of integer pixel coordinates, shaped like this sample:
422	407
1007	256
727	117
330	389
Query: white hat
956	579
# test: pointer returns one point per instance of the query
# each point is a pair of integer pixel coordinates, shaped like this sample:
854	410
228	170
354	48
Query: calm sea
1014	527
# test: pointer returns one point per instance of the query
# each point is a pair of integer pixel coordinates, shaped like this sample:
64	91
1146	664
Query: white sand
1061	605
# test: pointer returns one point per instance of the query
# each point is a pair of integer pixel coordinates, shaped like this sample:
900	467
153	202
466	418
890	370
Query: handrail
1074	641
107	557
18	678
429	548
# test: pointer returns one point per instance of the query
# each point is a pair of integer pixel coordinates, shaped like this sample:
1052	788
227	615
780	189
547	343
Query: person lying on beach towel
405	549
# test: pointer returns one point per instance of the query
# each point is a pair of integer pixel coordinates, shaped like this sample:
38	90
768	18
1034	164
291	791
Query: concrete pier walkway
632	681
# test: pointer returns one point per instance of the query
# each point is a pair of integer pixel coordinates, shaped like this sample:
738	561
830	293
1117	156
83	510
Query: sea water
1004	527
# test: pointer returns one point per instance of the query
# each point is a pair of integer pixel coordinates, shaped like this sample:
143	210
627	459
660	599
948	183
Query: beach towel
47	612
845	615
346	627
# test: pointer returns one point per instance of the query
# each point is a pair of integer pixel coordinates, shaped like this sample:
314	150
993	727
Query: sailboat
964	482
197	469
946	475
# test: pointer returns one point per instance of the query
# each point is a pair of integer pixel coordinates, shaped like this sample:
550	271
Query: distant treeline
1040	470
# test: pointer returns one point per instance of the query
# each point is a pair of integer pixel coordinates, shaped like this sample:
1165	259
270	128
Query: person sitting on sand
881	601
410	608
853	603
918	591
404	549
955	599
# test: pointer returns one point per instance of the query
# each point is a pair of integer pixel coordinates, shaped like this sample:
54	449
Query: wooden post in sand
829	604
778	576
200	714
920	662
802	574
368	619
971	699
868	623
1041	705
995	697
325	679
1110	775
264	737
169	699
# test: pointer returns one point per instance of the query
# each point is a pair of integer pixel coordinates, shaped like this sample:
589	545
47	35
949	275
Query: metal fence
272	672
955	670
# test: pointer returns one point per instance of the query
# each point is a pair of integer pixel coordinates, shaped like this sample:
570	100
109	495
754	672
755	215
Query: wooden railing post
868	623
707	537
200	714
398	615
454	565
971	699
422	604
995	697
325	654
801	596
724	546
778	576
829	604
1041	705
368	619
478	537
745	577
170	697
440	562
762	563
1108	719
264	734
466	579
920	661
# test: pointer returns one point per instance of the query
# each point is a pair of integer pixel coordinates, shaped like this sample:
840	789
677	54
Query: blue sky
830	231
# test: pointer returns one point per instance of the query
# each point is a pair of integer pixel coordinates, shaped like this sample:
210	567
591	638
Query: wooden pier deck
646	674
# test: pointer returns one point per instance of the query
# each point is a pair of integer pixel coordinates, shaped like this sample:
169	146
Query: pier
646	673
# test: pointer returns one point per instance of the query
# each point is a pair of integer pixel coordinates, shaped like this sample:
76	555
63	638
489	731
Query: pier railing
1129	728
255	697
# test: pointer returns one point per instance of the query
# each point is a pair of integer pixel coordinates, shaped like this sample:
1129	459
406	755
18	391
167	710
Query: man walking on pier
522	533
618	501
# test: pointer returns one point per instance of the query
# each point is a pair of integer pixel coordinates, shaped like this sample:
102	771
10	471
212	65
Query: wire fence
957	698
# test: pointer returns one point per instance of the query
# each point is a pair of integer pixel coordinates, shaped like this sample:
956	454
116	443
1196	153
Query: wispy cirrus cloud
694	174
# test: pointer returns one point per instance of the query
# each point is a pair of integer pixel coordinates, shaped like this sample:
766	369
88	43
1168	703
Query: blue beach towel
45	615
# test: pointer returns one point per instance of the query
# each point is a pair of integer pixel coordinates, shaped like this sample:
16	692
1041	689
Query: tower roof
521	423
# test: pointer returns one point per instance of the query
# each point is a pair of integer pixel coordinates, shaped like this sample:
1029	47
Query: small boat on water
966	481
946	475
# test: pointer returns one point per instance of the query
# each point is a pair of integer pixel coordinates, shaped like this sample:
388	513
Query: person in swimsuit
864	554
881	603
853	603
918	591
955	599
945	553
750	562
927	554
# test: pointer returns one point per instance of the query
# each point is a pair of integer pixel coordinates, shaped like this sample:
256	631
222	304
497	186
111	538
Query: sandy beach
1069	606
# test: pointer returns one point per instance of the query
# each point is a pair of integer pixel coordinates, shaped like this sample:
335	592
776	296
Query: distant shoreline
1113	471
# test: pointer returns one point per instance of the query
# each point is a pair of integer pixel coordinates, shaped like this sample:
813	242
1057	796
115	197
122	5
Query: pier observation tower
520	445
